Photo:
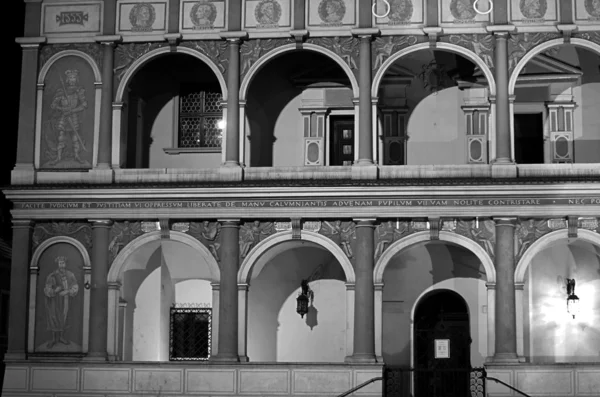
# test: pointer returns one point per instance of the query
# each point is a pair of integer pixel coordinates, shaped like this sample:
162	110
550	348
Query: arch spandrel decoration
252	50
129	58
347	48
78	231
93	50
384	47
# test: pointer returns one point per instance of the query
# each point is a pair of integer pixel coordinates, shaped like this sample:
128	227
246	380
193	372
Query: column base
225	359
231	172
101	174
505	358
244	359
361	358
15	356
504	170
23	174
95	357
362	171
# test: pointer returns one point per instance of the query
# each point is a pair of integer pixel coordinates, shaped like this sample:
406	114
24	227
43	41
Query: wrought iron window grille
190	332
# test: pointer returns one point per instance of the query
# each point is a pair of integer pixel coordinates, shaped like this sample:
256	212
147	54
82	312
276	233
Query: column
99	290
105	138
19	280
364	293
228	292
503	140
23	171
506	329
232	128
365	132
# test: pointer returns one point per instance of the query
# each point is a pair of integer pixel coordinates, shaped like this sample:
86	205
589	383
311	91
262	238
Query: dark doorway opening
342	140
529	138
442	320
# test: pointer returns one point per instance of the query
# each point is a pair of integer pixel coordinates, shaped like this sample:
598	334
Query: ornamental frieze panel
594	36
384	47
80	231
481	44
121	234
126	54
342	233
216	50
94	50
346	48
208	233
483	232
252	50
251	233
521	43
527	232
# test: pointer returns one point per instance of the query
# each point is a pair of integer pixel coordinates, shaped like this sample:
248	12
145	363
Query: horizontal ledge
191	150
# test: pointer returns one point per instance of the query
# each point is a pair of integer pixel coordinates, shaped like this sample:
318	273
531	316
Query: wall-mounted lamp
305	297
572	299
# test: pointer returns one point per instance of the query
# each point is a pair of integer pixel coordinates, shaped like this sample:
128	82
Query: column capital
491	286
365	33
243	286
108	40
519	286
114	285
100	222
234	36
505	221
22	223
365	222
30	42
501	30
229	222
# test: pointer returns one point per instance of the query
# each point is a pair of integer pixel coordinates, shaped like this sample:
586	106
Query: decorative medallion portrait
142	17
401	11
68	115
59	300
463	10
268	12
592	7
203	15
332	11
533	9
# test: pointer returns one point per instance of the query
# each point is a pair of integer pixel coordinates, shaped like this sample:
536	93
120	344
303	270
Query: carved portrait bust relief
332	11
142	17
268	12
203	14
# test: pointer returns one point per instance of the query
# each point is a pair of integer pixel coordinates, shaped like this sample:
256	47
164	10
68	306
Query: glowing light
221	124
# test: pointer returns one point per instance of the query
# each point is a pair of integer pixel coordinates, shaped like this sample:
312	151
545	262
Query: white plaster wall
167	298
553	335
275	331
193	291
288	148
417	270
146	322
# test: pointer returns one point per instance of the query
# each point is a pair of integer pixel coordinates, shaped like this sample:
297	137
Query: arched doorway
442	345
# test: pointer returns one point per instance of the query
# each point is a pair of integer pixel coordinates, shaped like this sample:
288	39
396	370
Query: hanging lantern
572	299
305	298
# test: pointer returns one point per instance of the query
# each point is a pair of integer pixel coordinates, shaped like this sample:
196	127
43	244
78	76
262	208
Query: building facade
430	168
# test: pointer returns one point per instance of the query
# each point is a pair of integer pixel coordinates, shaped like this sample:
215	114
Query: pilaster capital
490	286
350	286
215	286
243	287
108	40
365	33
30	42
365	222
118	105
378	286
114	285
519	286
505	221
234	37
100	222
22	223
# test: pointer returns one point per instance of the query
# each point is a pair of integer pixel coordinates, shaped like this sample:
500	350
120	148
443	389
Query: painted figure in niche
400	10
203	14
61	286
463	9
268	12
533	9
142	17
68	103
593	7
332	11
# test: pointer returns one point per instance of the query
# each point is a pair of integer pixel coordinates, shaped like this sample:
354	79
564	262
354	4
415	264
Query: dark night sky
13	27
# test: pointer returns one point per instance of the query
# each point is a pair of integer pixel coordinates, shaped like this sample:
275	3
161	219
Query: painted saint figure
69	101
142	17
268	12
61	286
332	11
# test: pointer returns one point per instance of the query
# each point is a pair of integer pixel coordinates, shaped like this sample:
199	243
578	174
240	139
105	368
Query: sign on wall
461	12
402	14
267	14
138	17
528	12
65	18
442	348
331	13
587	11
202	15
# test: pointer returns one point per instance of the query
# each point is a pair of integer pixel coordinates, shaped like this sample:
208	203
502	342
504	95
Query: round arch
138	63
439	46
266	244
543	47
545	242
61	239
119	265
419	237
292	47
66	53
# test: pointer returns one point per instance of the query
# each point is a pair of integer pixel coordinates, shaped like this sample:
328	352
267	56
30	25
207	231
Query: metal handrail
355	388
507	385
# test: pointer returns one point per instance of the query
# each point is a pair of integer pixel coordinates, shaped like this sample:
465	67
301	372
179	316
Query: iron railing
459	382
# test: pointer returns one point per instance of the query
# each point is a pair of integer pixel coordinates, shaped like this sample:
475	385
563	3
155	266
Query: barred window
191	334
199	115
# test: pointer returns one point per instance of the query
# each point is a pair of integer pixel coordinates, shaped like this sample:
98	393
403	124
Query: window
191	334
